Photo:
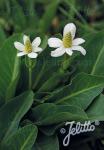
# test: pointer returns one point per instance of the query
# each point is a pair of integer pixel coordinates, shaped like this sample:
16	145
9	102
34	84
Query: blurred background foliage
49	16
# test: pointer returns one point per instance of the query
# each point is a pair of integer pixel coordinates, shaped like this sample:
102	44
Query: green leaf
49	14
2	36
18	16
81	92
9	68
47	143
53	81
30	14
47	75
48	114
43	71
23	139
93	62
44	42
96	109
12	112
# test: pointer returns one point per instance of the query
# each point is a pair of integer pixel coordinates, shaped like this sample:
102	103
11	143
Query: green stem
30	74
63	65
64	61
30	65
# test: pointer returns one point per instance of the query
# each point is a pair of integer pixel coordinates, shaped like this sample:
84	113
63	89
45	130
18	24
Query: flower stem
64	64
30	65
30	73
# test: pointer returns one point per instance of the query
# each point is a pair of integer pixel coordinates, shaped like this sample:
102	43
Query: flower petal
19	46
54	42
70	27
58	52
79	48
69	51
36	42
21	54
32	55
25	38
78	41
38	49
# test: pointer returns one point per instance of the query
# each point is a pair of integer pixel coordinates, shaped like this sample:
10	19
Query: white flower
28	48
68	44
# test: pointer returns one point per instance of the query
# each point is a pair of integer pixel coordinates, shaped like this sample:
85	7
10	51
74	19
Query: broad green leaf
93	62
23	139
12	112
49	14
47	143
96	109
43	71
53	82
48	114
38	73
80	92
9	68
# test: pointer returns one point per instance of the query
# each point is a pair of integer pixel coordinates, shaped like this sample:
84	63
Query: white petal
32	55
36	42
69	51
79	48
78	41
54	42
37	49
58	52
70	27
21	54
19	46
25	38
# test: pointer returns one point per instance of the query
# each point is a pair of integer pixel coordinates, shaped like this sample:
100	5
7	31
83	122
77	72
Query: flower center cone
67	40
28	46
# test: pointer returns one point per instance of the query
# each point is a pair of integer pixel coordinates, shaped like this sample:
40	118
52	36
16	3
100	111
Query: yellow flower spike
28	46
67	40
